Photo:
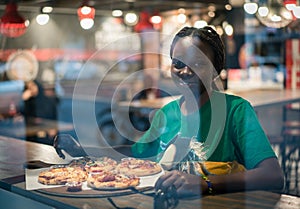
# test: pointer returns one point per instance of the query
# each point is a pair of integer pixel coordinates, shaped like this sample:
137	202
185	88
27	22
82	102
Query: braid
208	35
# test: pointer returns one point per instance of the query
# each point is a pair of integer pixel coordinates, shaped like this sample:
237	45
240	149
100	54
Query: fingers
57	147
185	184
175	178
59	152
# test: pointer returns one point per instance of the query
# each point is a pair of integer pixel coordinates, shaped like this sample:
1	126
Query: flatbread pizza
138	167
62	175
110	180
100	164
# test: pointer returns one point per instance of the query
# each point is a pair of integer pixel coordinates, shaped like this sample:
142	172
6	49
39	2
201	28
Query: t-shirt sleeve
147	145
252	143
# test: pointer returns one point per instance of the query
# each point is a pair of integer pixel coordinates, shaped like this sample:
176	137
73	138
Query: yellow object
219	168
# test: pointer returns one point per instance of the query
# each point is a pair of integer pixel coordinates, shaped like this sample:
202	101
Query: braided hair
209	36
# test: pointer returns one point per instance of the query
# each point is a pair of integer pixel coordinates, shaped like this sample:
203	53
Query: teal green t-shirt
227	125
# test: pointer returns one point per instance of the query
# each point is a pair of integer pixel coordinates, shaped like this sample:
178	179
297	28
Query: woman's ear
217	83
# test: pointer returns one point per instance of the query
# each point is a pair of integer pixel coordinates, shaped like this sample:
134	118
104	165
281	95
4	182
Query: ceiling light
228	7
219	30
277	16
87	23
211	14
42	19
228	30
263	11
181	17
200	24
290	4
155	19
131	19
117	13
47	9
296	11
12	24
86	15
250	7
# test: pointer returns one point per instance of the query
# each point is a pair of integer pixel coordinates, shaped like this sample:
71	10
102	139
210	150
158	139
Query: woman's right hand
185	184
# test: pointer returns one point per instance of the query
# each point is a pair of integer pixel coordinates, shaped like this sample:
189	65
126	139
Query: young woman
227	125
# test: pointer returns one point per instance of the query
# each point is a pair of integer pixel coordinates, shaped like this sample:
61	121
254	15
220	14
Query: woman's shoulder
231	98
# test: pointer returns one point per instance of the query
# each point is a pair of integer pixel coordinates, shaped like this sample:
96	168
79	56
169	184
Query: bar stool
291	158
277	140
290	147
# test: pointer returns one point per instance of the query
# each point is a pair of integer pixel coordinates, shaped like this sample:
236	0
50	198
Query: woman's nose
185	71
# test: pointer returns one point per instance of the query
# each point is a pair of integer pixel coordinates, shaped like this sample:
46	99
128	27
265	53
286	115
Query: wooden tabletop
14	153
239	200
257	97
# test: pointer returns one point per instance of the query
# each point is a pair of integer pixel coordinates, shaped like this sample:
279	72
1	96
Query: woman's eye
178	64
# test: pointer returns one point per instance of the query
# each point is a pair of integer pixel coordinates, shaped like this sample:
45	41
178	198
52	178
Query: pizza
138	167
111	180
100	164
62	175
99	173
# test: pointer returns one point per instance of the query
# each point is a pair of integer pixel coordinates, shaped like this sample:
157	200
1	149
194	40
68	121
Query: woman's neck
188	106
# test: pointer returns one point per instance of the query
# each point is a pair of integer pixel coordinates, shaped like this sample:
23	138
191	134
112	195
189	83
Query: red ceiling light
144	23
86	15
86	12
12	24
156	20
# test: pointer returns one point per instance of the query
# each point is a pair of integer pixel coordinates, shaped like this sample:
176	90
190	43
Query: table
34	127
12	179
38	125
268	97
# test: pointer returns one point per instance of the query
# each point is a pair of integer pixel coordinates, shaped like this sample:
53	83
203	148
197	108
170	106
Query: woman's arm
267	175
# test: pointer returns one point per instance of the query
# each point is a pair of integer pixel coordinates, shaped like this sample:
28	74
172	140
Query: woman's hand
186	184
67	143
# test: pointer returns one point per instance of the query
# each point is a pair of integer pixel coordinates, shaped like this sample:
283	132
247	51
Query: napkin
175	152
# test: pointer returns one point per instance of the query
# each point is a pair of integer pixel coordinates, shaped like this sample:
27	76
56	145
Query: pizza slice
62	175
111	180
138	167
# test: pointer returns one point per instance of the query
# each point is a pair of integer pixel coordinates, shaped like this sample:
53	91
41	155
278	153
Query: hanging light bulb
155	19
42	19
263	11
12	24
131	18
250	7
277	16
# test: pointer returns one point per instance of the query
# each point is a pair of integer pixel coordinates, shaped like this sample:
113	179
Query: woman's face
192	69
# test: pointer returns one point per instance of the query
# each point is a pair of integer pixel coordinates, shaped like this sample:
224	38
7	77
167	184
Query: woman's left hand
186	184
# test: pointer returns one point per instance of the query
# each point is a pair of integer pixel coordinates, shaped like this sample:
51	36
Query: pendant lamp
12	24
274	14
